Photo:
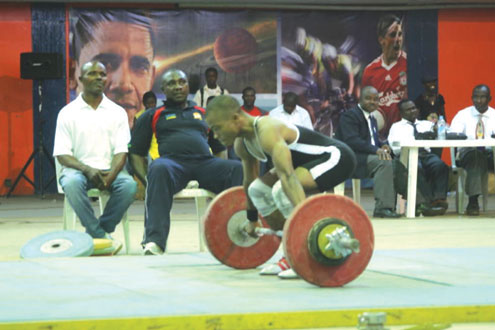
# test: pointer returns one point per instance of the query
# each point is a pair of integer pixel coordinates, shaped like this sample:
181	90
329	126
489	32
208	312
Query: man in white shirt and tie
477	122
290	112
433	178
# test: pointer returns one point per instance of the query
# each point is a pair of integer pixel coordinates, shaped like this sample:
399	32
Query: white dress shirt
403	131
465	121
207	93
299	116
367	115
93	136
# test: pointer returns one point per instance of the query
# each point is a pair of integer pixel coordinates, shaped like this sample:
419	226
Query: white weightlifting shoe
275	269
288	274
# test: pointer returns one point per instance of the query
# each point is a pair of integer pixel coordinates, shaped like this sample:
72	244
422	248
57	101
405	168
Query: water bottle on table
441	128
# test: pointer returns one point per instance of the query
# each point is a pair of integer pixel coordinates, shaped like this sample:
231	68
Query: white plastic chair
461	180
70	217
356	190
200	196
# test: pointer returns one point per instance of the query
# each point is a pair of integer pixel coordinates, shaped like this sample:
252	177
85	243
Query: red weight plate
220	212
298	226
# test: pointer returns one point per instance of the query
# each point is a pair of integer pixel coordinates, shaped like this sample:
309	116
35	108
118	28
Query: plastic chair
461	179
103	197
70	217
356	190
356	193
200	196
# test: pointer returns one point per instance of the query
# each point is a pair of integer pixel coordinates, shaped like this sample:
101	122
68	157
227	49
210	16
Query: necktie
374	130
480	128
415	130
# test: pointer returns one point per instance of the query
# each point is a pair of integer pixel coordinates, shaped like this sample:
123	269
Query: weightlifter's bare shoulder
241	151
272	131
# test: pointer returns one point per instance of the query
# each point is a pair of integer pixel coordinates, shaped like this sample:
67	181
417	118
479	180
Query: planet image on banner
235	50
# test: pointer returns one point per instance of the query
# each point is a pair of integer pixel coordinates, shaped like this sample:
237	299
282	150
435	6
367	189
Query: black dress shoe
429	210
473	208
441	202
385	213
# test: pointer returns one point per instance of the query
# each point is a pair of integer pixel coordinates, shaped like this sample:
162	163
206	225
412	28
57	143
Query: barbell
328	239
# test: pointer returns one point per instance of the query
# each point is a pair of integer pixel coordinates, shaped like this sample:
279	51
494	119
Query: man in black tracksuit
182	136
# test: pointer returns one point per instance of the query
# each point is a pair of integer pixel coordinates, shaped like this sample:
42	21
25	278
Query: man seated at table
433	174
476	122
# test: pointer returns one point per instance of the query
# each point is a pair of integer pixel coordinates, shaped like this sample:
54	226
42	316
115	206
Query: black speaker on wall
41	66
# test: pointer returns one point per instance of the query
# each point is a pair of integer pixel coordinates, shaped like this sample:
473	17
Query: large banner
327	57
137	47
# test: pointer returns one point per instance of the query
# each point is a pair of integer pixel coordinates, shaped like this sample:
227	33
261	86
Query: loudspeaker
41	66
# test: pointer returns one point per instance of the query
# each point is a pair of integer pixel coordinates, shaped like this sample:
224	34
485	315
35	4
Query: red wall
16	117
466	55
466	48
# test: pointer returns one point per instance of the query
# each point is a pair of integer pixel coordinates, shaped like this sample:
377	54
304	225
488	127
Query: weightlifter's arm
250	168
273	142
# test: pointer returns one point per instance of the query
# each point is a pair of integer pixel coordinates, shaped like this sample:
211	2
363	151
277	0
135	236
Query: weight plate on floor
101	243
65	243
103	247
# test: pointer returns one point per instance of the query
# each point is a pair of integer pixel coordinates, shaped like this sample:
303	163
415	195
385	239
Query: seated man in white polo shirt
91	139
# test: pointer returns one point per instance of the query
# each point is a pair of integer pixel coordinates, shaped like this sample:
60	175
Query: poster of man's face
322	56
126	51
138	46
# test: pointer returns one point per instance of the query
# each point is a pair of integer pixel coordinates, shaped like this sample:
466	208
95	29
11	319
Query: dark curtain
422	48
48	33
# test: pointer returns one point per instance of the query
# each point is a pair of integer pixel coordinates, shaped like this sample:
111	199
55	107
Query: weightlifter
305	162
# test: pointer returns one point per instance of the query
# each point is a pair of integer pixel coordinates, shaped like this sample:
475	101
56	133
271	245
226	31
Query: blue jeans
122	191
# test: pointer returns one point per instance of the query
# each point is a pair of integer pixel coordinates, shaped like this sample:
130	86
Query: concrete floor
424	271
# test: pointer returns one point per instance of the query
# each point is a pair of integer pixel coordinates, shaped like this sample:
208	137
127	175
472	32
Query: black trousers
477	163
167	176
436	176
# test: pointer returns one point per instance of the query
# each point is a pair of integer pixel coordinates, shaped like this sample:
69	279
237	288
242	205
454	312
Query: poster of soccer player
327	56
138	46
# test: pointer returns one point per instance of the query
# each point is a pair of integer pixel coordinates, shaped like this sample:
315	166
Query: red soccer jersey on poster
391	83
255	111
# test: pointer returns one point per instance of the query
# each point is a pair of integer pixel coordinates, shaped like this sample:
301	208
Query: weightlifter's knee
284	205
261	196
